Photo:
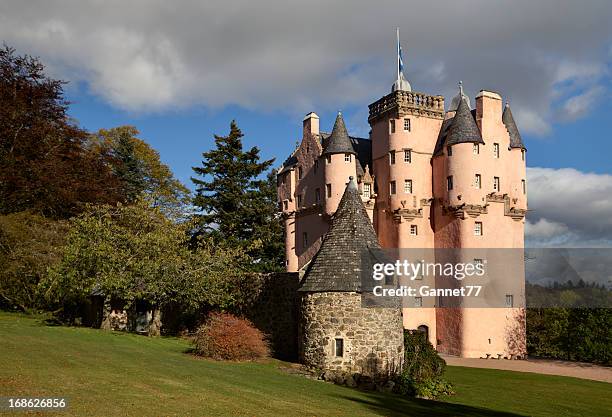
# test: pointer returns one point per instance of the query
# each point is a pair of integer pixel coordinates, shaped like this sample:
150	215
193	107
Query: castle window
477	181
478	229
414	231
328	159
407	156
407	125
328	190
300	173
299	200
392	189
418	301
509	300
305	239
523	154
523	186
339	347
449	182
318	195
496	186
392	126
449	150
496	150
367	190
408	186
392	157
347	157
476	149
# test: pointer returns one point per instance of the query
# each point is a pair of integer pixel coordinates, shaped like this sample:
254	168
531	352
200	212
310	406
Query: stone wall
372	337
272	307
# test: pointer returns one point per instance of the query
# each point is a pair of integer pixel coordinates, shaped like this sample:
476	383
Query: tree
44	165
236	205
29	245
135	253
140	167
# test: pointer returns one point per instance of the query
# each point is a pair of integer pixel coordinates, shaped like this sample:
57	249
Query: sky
181	71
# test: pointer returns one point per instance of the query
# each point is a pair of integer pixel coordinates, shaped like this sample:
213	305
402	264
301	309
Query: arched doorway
425	330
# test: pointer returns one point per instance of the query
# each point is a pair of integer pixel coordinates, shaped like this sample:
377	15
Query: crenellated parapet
402	103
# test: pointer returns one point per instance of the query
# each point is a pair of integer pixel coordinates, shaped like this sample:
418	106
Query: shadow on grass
388	405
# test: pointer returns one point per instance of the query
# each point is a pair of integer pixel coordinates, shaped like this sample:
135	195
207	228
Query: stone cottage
336	332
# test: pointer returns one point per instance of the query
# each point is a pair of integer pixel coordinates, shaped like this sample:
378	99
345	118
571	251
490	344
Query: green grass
105	373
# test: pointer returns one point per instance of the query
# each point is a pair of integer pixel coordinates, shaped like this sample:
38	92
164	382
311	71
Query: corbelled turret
338	141
515	137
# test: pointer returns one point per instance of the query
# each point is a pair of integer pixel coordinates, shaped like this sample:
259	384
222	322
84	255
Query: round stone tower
336	332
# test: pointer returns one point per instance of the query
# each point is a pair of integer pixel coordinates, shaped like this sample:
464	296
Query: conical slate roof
515	137
337	266
463	128
338	141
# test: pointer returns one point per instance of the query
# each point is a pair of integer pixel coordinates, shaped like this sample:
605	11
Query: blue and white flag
400	62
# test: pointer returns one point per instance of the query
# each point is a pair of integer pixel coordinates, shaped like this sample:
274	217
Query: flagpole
398	56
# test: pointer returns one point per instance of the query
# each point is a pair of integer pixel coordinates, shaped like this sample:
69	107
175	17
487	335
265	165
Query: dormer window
367	190
347	157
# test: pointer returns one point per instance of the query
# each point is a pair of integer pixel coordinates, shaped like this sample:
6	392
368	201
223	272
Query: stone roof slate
461	128
338	141
515	137
337	266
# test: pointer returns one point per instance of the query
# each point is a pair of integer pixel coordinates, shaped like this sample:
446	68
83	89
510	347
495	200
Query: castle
425	178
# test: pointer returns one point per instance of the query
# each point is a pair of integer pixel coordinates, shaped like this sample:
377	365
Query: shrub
423	369
227	337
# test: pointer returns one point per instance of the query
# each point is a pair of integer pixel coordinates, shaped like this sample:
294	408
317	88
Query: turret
339	159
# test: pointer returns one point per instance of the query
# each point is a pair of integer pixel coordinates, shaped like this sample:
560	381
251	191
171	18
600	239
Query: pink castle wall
465	332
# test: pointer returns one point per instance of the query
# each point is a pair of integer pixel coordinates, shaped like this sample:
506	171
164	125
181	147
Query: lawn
105	373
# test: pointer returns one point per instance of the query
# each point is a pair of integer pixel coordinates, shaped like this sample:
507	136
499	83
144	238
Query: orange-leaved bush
227	337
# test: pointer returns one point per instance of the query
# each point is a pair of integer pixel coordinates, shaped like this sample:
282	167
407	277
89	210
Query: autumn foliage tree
44	164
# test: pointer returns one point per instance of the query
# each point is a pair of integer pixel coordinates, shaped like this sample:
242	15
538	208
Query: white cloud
569	208
577	106
159	55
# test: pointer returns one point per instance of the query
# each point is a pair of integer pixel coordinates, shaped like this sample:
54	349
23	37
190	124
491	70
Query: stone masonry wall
272	308
372	337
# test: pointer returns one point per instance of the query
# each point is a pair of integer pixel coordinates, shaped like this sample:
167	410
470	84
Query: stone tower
336	332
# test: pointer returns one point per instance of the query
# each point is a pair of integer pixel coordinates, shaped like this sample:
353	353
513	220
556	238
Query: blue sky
182	135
